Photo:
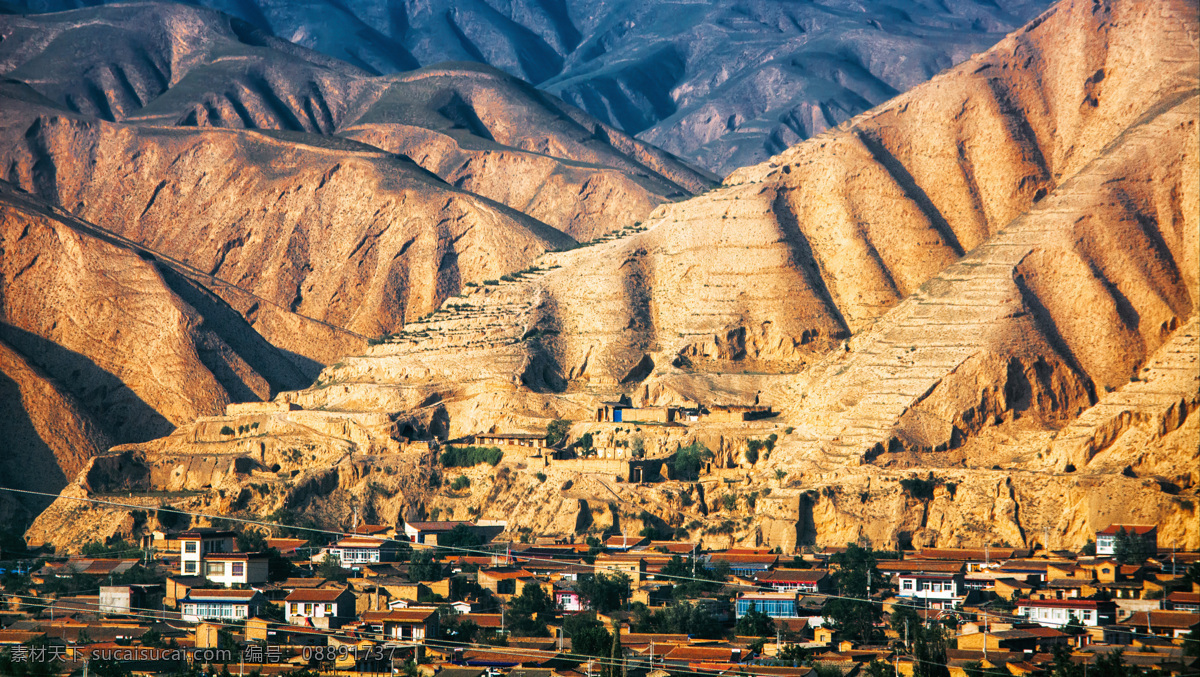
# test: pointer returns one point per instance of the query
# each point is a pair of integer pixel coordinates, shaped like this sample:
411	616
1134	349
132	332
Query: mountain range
245	275
723	84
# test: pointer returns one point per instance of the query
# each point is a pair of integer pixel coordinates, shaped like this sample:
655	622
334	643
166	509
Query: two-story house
940	591
1106	538
319	607
407	625
236	568
194	544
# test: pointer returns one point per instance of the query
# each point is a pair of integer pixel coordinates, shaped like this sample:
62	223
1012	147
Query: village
449	598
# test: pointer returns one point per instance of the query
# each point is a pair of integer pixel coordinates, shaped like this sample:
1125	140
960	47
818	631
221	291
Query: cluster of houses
1005	608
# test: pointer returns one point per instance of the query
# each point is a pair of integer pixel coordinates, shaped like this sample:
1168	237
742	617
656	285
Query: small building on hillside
773	604
1059	612
236	568
221	605
195	544
134	598
532	441
408	625
1106	538
941	591
320	607
355	552
429	533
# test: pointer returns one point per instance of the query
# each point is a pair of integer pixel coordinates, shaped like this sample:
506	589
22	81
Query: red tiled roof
701	653
972	554
437	526
315	595
360	542
1062	603
1139	529
1184	597
285	545
1175	620
793	576
231	595
912	565
399	616
371	529
744	558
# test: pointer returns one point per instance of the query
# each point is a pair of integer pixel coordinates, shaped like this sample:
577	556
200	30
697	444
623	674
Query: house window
190	567
908	584
216	568
190	547
239	568
328	609
308	609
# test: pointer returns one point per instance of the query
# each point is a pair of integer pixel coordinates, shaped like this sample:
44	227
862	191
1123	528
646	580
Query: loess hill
988	284
299	203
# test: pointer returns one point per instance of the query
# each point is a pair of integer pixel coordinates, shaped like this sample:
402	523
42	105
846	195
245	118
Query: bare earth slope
989	283
98	345
168	64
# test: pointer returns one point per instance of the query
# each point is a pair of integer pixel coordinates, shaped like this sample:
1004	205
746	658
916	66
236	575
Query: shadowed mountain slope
724	83
100	345
168	64
944	283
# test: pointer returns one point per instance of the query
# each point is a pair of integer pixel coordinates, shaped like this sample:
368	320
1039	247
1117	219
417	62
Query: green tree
904	619
461	536
588	636
878	668
1191	643
691	578
605	593
557	431
1130	548
331	568
851	613
1063	666
529	611
117	549
1113	664
616	656
424	566
929	653
755	623
688	460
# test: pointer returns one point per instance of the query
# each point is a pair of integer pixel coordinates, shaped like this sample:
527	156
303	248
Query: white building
1058	612
201	605
1106	539
355	551
236	568
941	591
319	607
196	543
